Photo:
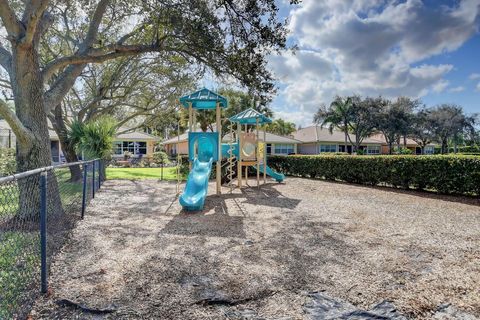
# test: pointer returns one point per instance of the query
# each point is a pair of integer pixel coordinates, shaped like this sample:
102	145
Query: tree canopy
49	44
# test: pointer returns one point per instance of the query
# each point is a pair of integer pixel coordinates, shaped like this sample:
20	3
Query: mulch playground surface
303	249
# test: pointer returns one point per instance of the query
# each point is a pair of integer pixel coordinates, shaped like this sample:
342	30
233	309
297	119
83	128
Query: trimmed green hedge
444	174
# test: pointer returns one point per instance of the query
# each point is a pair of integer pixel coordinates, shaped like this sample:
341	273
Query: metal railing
38	208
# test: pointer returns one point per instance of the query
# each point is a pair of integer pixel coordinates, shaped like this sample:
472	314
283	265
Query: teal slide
279	177
193	198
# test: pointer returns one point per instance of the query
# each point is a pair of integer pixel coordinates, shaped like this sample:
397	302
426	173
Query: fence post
84	194
161	170
93	179
43	230
100	174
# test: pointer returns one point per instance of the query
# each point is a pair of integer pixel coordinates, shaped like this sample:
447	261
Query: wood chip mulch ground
263	253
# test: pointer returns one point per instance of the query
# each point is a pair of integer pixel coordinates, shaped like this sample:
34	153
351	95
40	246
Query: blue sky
424	49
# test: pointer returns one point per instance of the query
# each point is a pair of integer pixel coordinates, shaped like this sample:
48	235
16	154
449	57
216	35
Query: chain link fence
38	209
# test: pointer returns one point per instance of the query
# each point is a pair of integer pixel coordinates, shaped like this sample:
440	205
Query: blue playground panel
207	145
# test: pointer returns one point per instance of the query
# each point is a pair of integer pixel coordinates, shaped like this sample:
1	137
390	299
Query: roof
203	99
136	135
250	116
133	135
381	137
270	138
319	134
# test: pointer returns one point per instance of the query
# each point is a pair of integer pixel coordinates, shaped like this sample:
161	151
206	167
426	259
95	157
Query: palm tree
95	138
281	127
338	115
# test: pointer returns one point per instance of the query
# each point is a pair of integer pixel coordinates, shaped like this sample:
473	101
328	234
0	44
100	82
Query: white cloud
457	89
474	76
440	86
369	47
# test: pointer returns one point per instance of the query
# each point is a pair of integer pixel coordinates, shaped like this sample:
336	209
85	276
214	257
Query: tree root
71	304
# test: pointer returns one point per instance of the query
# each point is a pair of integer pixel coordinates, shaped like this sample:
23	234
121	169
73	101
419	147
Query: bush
444	174
160	158
402	150
8	164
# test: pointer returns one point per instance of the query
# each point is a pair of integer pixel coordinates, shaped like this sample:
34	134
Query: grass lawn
169	173
19	261
19	255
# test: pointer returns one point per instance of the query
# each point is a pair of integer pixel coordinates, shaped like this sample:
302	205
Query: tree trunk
390	146
68	149
405	140
455	144
444	146
27	87
346	140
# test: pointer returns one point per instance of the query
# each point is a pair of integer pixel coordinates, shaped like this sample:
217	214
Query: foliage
395	119
8	164
361	122
402	150
281	127
449	122
338	115
94	139
160	158
169	173
444	174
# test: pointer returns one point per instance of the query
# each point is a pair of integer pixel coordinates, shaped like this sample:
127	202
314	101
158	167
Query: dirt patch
260	253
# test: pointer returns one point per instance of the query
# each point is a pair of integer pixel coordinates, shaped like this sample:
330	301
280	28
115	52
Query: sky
426	49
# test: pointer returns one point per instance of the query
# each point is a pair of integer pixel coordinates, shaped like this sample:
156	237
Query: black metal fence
38	208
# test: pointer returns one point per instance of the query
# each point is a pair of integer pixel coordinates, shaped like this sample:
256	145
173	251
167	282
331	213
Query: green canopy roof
203	99
250	116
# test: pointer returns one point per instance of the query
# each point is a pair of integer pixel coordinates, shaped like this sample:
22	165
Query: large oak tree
229	37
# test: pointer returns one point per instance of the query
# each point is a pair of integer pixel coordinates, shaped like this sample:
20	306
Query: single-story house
315	140
137	143
278	145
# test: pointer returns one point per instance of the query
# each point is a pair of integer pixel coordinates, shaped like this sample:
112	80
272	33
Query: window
328	148
283	149
117	147
429	150
269	148
120	147
54	146
373	150
140	147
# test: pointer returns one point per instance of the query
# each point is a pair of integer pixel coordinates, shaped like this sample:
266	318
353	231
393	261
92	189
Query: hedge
451	174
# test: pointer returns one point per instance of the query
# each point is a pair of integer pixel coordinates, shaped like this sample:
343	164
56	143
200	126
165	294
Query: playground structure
205	148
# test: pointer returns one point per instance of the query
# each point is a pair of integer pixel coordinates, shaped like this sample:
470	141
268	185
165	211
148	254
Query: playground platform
271	253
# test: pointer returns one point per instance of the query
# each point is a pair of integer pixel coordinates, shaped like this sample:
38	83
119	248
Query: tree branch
24	136
67	79
45	23
98	56
10	20
5	59
31	18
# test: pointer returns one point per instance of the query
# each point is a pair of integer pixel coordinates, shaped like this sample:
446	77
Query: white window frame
429	150
374	150
330	150
136	147
284	148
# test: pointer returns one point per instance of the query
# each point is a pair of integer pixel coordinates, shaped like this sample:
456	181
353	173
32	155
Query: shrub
160	158
8	164
402	150
444	174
